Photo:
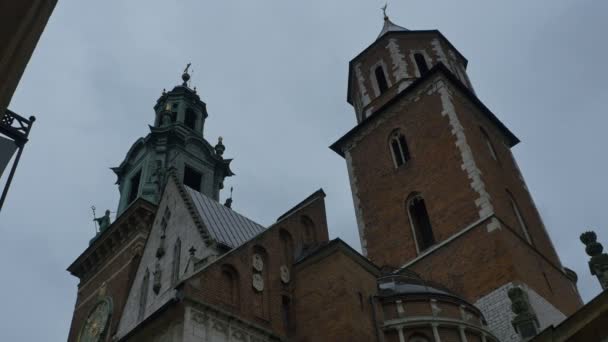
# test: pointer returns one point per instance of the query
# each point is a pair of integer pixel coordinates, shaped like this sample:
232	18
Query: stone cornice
137	217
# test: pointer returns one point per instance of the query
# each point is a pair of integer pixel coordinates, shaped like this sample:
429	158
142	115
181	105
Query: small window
423	68
230	285
134	187
381	79
177	251
192	178
520	218
399	149
421	223
489	143
190	120
143	295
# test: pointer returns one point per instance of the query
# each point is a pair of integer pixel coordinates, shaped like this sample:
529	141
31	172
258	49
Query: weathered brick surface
262	308
480	261
117	274
332	300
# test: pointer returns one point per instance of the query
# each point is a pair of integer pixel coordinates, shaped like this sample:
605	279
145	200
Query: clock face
96	324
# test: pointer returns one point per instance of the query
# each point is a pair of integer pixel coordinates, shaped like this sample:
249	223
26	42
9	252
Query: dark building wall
264	308
21	24
434	171
332	300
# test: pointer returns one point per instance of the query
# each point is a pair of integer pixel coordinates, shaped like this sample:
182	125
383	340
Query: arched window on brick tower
520	219
420	222
309	233
399	149
230	285
423	68
381	79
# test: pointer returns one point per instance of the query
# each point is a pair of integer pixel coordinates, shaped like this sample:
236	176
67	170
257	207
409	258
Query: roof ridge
190	206
302	204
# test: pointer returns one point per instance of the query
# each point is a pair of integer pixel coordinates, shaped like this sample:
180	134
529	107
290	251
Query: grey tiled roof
224	224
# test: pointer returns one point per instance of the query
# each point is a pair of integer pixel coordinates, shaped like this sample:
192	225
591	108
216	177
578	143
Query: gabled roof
223	224
439	68
324	250
303	203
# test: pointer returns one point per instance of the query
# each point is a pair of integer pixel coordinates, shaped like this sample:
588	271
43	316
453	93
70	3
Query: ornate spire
598	265
389	26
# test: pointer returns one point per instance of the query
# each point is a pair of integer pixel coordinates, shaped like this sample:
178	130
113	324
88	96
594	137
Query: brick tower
435	186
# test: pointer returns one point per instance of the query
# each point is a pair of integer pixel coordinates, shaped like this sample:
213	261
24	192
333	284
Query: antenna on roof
228	203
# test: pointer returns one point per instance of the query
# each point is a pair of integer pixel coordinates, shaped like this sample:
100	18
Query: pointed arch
420	222
423	68
177	252
309	233
399	149
381	79
231	285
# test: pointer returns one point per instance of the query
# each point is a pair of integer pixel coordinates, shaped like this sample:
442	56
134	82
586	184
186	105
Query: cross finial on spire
186	75
384	10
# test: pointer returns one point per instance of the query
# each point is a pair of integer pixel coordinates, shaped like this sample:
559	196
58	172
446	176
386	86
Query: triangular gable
173	234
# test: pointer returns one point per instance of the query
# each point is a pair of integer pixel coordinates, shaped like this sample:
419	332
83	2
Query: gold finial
384	10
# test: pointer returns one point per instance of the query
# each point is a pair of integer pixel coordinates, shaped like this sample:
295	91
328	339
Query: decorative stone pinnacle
598	265
525	321
220	148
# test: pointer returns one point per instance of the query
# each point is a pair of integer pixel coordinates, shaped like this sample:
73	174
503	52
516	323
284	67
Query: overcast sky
273	75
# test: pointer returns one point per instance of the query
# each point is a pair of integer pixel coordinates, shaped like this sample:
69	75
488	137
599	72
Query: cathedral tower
435	186
175	141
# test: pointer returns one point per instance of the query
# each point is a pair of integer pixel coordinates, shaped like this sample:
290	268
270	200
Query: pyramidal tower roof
389	26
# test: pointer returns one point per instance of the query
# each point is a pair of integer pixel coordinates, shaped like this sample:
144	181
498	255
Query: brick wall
264	308
332	300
